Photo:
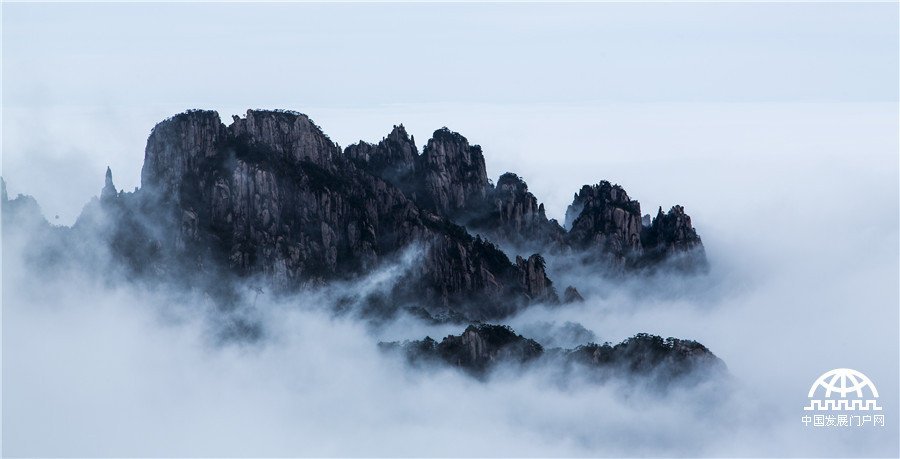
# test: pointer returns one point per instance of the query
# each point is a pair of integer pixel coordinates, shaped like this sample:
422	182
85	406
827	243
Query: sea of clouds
797	208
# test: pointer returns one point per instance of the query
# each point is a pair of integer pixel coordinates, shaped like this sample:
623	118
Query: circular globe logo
843	381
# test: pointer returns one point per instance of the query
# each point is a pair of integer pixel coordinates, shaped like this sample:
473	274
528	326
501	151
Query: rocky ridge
272	195
271	198
482	347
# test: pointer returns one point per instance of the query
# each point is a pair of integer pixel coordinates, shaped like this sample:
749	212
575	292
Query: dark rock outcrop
608	221
291	137
672	238
393	159
108	193
533	276
571	295
271	196
511	214
644	354
179	147
603	224
477	349
452	174
481	347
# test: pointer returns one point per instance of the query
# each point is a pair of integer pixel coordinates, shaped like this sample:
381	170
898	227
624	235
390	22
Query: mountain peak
272	194
398	133
453	173
109	189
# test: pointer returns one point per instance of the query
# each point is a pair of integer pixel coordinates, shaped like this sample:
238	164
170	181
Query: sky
774	124
83	83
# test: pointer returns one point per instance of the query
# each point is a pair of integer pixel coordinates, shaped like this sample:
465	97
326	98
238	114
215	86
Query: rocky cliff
270	196
452	174
393	159
271	200
670	239
606	221
603	224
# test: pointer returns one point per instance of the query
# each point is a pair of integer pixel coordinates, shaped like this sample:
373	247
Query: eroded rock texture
270	200
271	197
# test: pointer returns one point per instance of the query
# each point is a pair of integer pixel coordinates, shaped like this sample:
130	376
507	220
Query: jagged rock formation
481	347
672	238
288	136
571	295
271	198
475	350
452	173
447	178
512	214
108	193
393	159
270	195
608	220
644	354
603	224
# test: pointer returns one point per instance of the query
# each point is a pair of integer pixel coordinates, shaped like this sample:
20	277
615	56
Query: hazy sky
365	54
776	125
84	83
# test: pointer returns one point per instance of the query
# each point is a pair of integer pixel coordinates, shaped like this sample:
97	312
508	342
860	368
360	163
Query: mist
797	208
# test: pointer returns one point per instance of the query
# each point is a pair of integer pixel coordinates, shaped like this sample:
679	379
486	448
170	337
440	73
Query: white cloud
795	198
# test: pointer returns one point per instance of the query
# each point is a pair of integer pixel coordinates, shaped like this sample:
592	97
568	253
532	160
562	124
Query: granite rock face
607	221
671	231
533	277
452	174
393	159
289	136
671	239
603	224
517	209
271	197
270	200
180	146
512	214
